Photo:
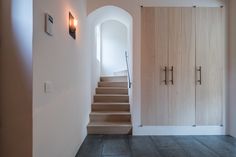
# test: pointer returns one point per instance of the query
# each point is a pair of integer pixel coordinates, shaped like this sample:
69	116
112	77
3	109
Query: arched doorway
110	35
114	44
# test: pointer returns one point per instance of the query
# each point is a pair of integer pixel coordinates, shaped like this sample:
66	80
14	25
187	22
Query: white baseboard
178	130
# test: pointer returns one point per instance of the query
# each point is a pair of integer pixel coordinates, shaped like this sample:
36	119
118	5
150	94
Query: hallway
157	146
109	78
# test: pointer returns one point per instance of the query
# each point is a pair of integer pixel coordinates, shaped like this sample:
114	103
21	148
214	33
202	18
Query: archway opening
114	44
110	36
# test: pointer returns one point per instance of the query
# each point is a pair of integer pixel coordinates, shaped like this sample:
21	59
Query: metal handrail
127	64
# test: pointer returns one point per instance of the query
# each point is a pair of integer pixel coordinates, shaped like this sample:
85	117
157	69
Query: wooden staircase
111	109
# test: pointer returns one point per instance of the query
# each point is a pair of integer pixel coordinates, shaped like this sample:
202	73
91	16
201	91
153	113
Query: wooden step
109	128
113	84
110	117
112	90
111	98
125	107
113	78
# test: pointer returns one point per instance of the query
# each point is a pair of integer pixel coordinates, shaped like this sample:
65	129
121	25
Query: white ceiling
208	3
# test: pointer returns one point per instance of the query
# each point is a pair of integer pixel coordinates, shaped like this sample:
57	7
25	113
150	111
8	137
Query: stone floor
157	146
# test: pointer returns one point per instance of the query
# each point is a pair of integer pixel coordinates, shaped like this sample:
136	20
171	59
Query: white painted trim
178	130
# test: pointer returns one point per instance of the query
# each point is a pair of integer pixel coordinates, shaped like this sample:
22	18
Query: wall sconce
72	25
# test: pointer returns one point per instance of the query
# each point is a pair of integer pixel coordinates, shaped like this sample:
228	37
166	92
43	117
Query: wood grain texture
209	55
147	67
182	58
154	59
111	110
161	60
184	38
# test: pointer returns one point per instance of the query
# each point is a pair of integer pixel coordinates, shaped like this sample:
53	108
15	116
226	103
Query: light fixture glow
75	23
72	25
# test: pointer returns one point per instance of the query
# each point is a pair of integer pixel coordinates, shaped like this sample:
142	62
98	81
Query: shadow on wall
16	78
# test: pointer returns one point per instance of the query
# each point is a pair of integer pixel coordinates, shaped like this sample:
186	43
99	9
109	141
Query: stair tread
110	124
110	113
113	82
111	108
114	76
112	88
112	95
111	103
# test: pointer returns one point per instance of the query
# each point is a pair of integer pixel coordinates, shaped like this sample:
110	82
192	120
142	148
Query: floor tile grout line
129	145
154	144
226	141
101	154
187	153
203	145
207	146
173	141
123	137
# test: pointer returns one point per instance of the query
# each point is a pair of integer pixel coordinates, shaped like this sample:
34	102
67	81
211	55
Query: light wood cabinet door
209	56
154	57
182	59
192	41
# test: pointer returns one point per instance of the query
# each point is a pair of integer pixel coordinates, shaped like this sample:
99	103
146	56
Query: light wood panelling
182	58
184	38
154	59
161	61
209	55
147	67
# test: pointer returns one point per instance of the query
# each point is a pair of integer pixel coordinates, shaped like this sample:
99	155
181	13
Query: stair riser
109	130
113	84
110	118
121	73
125	108
112	91
111	99
114	79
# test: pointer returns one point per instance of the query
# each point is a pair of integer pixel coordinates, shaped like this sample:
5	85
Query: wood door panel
209	55
184	38
182	58
161	58
153	59
147	66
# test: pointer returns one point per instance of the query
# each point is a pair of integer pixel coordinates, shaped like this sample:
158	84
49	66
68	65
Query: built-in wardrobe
182	66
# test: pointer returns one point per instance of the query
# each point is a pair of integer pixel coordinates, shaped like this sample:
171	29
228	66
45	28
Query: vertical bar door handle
165	70
172	75
199	70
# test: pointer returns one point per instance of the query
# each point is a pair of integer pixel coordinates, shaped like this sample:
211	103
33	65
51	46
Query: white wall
232	67
133	7
95	19
114	37
60	117
16	78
